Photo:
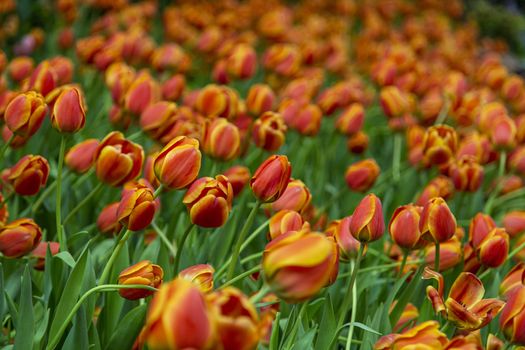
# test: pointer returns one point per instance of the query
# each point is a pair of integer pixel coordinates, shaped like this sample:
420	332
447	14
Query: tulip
209	201
308	120
80	157
118	77
217	101
439	144
63	68
296	197
514	278
440	186
503	133
118	160
362	175
514	222
19	238
512	319
107	221
351	120
43	79
201	275
479	228
242	61
236	319
347	244
437	223
179	317
271	178
465	306
517	160
393	101
404	226
450	254
283	59
494	248
219	72
260	99
40	253
284	221
173	88
29	175
4	211
178	163
25	113
143	273
136	208
142	92
466	173
358	143
510	183
425	336
158	118
367	223
408	317
269	131
170	57
238	176
476	145
222	140
297	265
20	68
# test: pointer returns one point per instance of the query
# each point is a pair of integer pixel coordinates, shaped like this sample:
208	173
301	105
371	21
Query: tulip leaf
40	332
274	338
365	327
327	325
25	330
385	326
77	338
304	341
128	329
67	258
405	297
69	295
13	311
369	338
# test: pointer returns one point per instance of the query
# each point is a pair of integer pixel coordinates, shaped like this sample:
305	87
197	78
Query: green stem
260	294
396	159
436	258
180	246
164	239
83	202
113	257
5	146
352	317
240	240
348	295
158	191
501	170
241	276
102	288
84	177
58	213
403	263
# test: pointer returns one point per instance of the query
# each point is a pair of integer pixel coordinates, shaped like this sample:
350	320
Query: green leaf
305	340
385	326
25	330
13	311
128	329
42	328
327	326
369	338
405	297
67	258
77	338
70	295
274	338
365	327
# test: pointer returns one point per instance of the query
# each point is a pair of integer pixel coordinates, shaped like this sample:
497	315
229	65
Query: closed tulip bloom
510	184
283	59
201	275
144	273
517	159
43	79
514	222
63	68
437	223
238	176
269	131
441	186
118	160
260	99
25	113
236	319
179	317
142	92
158	118
348	246
503	132
283	222
107	221
296	197
514	278
271	178
173	88
118	78
20	68
351	119
242	61
297	265
512	319
40	253
476	145
178	163
358	143
404	226
465	306
362	175
29	175
393	101
222	140
425	336
19	238
308	120
137	208
450	254
80	157
217	101
367	224
439	144
479	228
466	173
494	248
209	201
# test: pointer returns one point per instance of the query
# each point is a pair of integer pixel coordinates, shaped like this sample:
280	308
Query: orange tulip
201	275
514	222
29	175
25	113
503	132
437	223
173	88
512	319
492	251
358	143
107	221
137	207
351	119
242	61
144	273
514	278
269	131
347	244
43	79
80	157
439	144
479	228
271	178
260	99
238	176
450	254
19	238
217	101
283	222
158	118
408	317
367	223
4	211
404	226
283	59
296	197
40	253
393	101
142	92
361	176
466	173
425	336
440	186
20	68
222	140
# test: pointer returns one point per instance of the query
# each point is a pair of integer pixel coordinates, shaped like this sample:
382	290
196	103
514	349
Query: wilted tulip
437	223
514	278
80	157
512	319
283	222
118	160
466	173
222	140
201	275
178	163
179	317
361	176
404	226
260	99
296	197
25	113
423	336
367	223
19	238
493	249
269	131
347	244
439	144
29	175
351	119
465	306
144	273
107	221
238	176
209	201
271	178
514	222
40	253
137	207
297	265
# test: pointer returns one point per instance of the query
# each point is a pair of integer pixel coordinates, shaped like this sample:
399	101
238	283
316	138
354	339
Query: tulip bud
20	68
158	118
517	159
450	254
514	222
40	253
297	265
514	278
209	201
179	317
25	113
217	101
269	131
479	228
29	175
440	186
222	140
283	59
43	79
107	221
466	173
63	68
80	157
136	208
19	238
242	62
347	244
351	120
173	88
118	77
393	101
118	160
503	132
404	226
296	197
178	163
493	250
238	176
437	223
283	222
358	143
512	318
142	92
439	144
476	145
144	273
367	224
271	178
362	175
260	99
201	275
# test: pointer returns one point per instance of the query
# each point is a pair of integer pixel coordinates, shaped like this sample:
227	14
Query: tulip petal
467	289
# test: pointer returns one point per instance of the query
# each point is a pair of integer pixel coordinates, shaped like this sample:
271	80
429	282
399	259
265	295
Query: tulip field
260	174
